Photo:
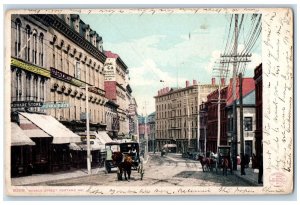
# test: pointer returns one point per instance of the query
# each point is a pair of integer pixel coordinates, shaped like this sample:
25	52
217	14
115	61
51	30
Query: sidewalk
40	178
251	176
73	173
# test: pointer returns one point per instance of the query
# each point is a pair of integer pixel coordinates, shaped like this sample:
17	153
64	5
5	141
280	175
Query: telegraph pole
198	118
234	137
146	133
242	125
237	58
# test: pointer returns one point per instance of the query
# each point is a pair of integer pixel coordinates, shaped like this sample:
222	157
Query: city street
169	170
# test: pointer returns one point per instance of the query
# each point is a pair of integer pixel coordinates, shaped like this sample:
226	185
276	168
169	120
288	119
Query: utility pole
234	137
146	133
237	58
198	118
88	157
242	125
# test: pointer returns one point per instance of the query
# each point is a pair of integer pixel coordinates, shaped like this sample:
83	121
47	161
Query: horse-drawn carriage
220	160
123	156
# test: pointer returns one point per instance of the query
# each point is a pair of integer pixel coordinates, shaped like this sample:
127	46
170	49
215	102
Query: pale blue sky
169	47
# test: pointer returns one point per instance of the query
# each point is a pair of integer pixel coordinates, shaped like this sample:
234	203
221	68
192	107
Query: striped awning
18	137
52	127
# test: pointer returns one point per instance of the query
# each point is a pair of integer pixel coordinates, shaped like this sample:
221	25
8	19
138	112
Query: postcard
162	101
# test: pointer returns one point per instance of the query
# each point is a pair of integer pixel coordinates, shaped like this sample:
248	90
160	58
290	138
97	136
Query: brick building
258	113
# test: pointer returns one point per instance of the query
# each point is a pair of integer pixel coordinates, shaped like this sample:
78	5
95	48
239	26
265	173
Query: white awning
30	129
18	137
103	137
83	147
60	134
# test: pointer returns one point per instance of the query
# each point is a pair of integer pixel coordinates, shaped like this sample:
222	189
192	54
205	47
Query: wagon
131	149
128	148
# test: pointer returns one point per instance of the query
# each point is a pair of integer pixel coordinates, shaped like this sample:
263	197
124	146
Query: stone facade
177	115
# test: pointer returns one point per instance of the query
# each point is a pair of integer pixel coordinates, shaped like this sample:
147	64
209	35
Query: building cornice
62	27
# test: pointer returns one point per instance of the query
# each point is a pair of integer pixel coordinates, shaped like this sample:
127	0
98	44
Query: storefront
51	151
97	147
21	147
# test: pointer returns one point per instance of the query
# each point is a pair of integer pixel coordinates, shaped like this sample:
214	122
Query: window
28	86
18	38
34	50
35	88
248	123
42	88
77	70
27	48
41	50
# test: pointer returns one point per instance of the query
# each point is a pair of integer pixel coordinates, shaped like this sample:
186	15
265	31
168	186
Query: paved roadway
170	170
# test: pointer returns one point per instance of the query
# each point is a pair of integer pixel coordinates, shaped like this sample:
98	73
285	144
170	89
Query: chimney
213	81
187	83
223	81
158	93
168	89
194	82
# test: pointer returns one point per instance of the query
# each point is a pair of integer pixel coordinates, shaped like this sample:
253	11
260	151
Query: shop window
248	123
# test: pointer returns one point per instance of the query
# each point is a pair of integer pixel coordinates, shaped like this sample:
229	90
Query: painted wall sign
69	79
110	70
30	67
24	104
97	91
65	77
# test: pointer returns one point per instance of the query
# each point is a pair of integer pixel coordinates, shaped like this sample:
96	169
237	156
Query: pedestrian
140	168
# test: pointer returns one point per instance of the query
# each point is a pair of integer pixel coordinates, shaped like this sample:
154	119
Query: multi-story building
258	113
112	119
212	119
53	58
30	72
60	55
144	131
249	118
115	86
133	120
177	115
151	135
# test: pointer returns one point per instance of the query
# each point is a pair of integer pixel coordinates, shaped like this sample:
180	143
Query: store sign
24	104
97	91
30	67
65	77
55	105
109	71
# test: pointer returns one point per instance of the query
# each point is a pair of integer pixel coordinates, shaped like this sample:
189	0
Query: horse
205	163
124	164
225	165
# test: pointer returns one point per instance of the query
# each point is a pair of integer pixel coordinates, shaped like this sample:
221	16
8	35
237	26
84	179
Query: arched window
28	86
34	50
18	37
41	49
27	48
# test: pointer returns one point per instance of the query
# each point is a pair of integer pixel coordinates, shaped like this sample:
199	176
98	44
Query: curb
245	179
